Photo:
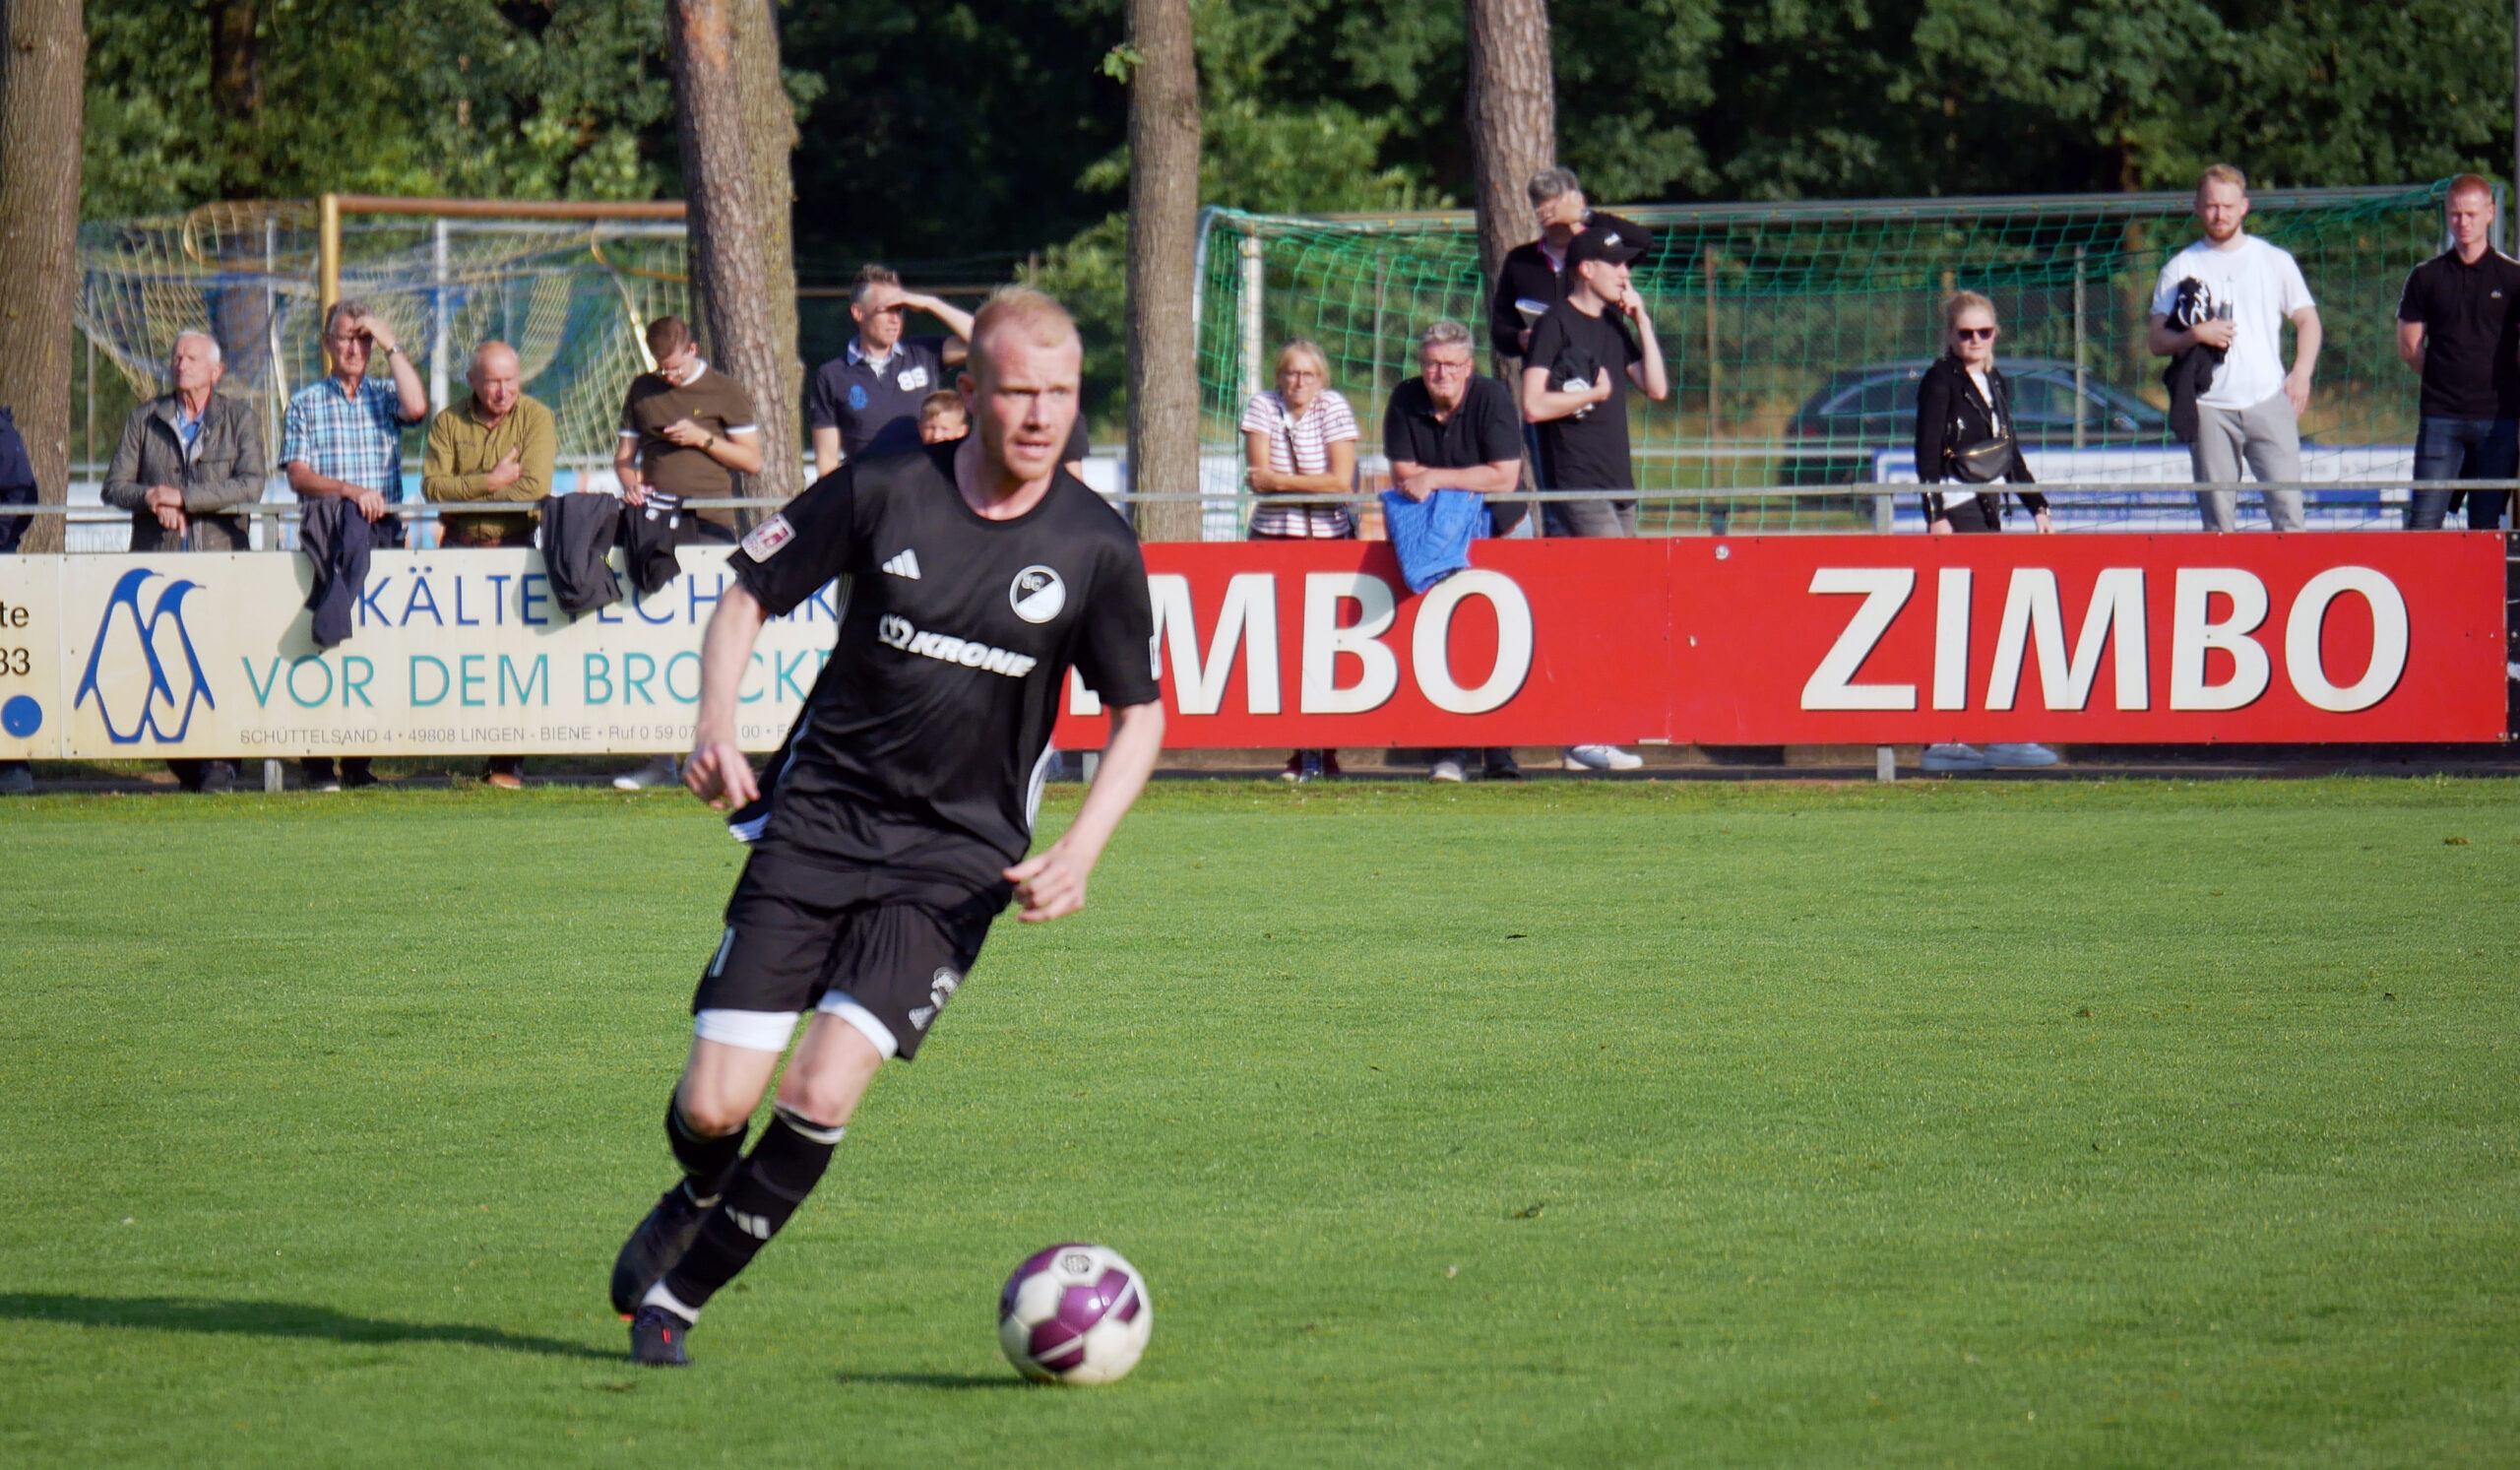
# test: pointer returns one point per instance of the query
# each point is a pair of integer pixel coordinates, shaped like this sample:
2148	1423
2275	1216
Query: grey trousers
1589	517
2267	438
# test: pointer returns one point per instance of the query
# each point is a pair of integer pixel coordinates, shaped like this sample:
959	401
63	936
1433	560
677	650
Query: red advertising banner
1821	640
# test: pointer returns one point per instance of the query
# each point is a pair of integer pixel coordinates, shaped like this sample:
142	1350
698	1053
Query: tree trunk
1513	119
770	122
730	245
1163	228
235	92
43	55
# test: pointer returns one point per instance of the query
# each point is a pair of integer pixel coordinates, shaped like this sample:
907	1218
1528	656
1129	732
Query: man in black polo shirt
1450	429
865	401
2459	325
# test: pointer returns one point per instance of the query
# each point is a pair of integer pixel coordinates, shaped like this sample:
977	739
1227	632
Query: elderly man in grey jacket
187	457
183	460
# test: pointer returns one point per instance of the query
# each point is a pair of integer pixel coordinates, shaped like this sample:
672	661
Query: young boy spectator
1585	354
942	419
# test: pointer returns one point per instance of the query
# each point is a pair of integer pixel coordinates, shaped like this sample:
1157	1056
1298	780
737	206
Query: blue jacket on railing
1432	536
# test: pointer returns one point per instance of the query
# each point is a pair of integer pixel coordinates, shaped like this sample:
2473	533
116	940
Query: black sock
707	1163
782	1170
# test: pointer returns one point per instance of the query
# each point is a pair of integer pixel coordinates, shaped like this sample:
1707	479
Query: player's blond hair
1020	308
2471	183
2221	173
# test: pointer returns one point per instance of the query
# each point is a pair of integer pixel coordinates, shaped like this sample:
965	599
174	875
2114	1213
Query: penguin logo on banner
156	642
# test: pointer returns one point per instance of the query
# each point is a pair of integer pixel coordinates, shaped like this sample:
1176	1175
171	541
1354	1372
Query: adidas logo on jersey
756	1226
895	631
904	565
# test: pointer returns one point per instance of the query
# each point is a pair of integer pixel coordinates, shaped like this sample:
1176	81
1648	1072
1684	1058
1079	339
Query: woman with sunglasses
1965	434
1964	425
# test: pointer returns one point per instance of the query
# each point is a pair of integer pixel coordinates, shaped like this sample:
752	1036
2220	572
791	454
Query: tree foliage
986	131
991	127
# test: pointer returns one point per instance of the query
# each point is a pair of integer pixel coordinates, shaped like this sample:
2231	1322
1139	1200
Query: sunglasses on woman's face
1974	334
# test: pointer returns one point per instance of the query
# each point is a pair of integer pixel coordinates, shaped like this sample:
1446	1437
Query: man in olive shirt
687	430
495	446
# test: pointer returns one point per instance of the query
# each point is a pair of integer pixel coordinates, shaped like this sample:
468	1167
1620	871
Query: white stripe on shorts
869	1025
752	1030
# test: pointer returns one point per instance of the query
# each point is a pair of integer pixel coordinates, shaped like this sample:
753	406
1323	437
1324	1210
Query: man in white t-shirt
2251	411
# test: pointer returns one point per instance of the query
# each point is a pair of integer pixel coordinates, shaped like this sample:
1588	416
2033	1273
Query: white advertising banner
450	652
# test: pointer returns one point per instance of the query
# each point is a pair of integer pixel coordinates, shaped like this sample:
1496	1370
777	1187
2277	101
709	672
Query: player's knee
824	1102
715	1117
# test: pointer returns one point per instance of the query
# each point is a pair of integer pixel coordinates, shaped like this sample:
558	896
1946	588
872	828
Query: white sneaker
2019	757
1955	758
661	771
1446	770
1601	759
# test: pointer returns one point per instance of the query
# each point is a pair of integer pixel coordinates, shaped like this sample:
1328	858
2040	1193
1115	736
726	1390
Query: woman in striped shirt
1299	438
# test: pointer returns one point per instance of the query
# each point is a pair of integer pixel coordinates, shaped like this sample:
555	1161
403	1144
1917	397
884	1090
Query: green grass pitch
1571	1124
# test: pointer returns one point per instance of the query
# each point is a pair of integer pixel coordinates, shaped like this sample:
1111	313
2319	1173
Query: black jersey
921	743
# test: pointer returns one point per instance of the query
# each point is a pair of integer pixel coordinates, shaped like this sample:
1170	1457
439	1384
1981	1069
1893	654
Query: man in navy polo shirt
865	401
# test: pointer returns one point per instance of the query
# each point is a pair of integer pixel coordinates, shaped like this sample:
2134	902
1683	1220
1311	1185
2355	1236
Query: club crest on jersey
1037	594
764	541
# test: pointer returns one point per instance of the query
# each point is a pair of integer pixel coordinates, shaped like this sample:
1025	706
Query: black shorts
888	945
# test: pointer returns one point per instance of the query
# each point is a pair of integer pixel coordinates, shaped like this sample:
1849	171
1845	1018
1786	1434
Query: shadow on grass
271	1320
935	1380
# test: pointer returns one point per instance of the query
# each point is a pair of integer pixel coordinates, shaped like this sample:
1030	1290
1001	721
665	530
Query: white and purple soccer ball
1074	1313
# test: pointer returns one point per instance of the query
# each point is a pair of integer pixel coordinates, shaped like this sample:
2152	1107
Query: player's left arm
1050	884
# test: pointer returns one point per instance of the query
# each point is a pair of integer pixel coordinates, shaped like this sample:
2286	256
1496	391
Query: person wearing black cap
1584	353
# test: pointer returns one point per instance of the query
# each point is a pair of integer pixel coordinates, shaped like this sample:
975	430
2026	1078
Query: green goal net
573	299
1793	334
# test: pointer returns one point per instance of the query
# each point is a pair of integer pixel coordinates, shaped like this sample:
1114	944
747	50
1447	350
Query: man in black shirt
1450	429
865	401
2459	325
1531	279
1584	353
902	808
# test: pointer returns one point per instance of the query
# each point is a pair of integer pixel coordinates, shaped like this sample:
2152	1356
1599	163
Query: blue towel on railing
1432	536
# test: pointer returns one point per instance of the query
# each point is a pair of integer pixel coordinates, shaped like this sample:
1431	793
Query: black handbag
1984	461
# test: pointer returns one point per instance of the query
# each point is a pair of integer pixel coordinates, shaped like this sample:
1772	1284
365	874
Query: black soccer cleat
656	1338
653	1248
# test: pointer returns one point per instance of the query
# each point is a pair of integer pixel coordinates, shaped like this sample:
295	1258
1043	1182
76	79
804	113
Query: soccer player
899	818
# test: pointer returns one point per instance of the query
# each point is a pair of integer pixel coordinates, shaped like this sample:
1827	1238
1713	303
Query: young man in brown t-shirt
687	430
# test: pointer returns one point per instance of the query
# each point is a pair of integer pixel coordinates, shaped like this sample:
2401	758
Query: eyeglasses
1974	334
1434	365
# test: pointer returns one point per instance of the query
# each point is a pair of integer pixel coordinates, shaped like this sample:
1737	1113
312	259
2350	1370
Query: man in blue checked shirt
344	441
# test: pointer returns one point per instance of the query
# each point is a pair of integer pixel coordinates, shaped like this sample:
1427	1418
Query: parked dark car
1861	410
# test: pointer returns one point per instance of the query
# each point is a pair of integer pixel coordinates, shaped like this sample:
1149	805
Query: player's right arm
718	772
781	563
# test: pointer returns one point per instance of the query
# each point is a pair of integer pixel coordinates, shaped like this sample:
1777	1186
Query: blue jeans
2463	449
